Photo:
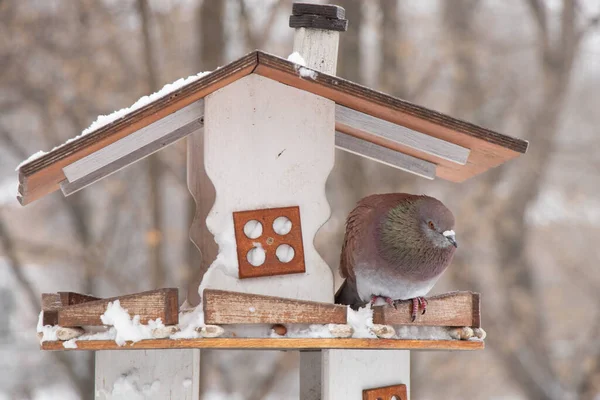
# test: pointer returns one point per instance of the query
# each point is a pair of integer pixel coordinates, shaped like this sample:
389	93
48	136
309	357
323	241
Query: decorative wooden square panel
396	392
264	238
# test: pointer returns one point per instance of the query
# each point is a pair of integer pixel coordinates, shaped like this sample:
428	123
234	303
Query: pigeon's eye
431	225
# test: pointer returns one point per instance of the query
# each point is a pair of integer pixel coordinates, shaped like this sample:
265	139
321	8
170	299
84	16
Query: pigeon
396	247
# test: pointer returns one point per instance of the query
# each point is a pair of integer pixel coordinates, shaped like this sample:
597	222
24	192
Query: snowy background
528	230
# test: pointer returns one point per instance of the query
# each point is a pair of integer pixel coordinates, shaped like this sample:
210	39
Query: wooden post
148	374
337	374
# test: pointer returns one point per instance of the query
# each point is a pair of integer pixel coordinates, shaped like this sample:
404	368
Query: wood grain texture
269	240
386	393
449	309
161	303
326	10
43	175
173	374
203	192
310	375
273	344
72	298
401	135
50	305
223	307
133	148
346	373
256	158
318	22
488	148
375	152
318	48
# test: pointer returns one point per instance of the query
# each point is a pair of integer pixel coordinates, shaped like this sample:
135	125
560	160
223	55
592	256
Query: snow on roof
104	120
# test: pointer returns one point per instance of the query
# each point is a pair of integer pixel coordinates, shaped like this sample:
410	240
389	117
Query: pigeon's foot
418	303
388	300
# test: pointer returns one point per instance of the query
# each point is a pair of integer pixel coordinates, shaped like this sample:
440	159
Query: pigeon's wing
357	226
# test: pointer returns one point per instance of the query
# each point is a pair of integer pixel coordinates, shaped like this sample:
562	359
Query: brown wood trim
449	309
352	89
273	344
223	307
488	149
153	304
43	175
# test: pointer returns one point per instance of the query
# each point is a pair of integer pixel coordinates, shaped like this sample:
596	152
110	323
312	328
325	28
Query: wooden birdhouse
262	132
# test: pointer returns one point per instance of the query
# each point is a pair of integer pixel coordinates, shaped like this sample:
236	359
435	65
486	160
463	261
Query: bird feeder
262	131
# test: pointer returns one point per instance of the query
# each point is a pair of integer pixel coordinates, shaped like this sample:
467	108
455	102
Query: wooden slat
50	305
223	307
273	344
401	135
351	144
161	303
43	175
133	148
449	309
72	298
488	149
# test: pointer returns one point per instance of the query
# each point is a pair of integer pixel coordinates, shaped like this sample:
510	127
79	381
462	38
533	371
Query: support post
346	373
148	374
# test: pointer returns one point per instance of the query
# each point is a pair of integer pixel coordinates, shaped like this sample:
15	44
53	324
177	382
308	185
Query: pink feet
417	303
388	300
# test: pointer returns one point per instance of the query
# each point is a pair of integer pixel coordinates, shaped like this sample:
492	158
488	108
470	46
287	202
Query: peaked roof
486	148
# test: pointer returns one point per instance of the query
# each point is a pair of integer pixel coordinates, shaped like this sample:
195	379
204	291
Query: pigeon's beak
451	236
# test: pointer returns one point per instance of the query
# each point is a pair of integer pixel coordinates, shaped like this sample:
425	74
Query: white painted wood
346	373
402	135
269	145
155	374
310	375
318	47
384	155
134	147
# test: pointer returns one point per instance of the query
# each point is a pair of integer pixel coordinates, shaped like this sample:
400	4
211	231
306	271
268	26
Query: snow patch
304	72
361	321
128	387
422	332
70	344
32	157
304	331
103	120
296	58
48	332
127	328
308	73
188	323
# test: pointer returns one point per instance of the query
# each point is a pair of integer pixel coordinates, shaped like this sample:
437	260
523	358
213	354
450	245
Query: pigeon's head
437	222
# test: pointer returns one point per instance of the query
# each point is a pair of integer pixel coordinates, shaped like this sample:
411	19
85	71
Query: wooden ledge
274	344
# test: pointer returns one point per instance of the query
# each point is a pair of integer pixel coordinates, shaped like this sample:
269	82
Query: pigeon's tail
347	294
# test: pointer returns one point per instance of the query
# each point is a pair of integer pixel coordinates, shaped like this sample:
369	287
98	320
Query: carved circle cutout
285	253
256	256
253	229
282	225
